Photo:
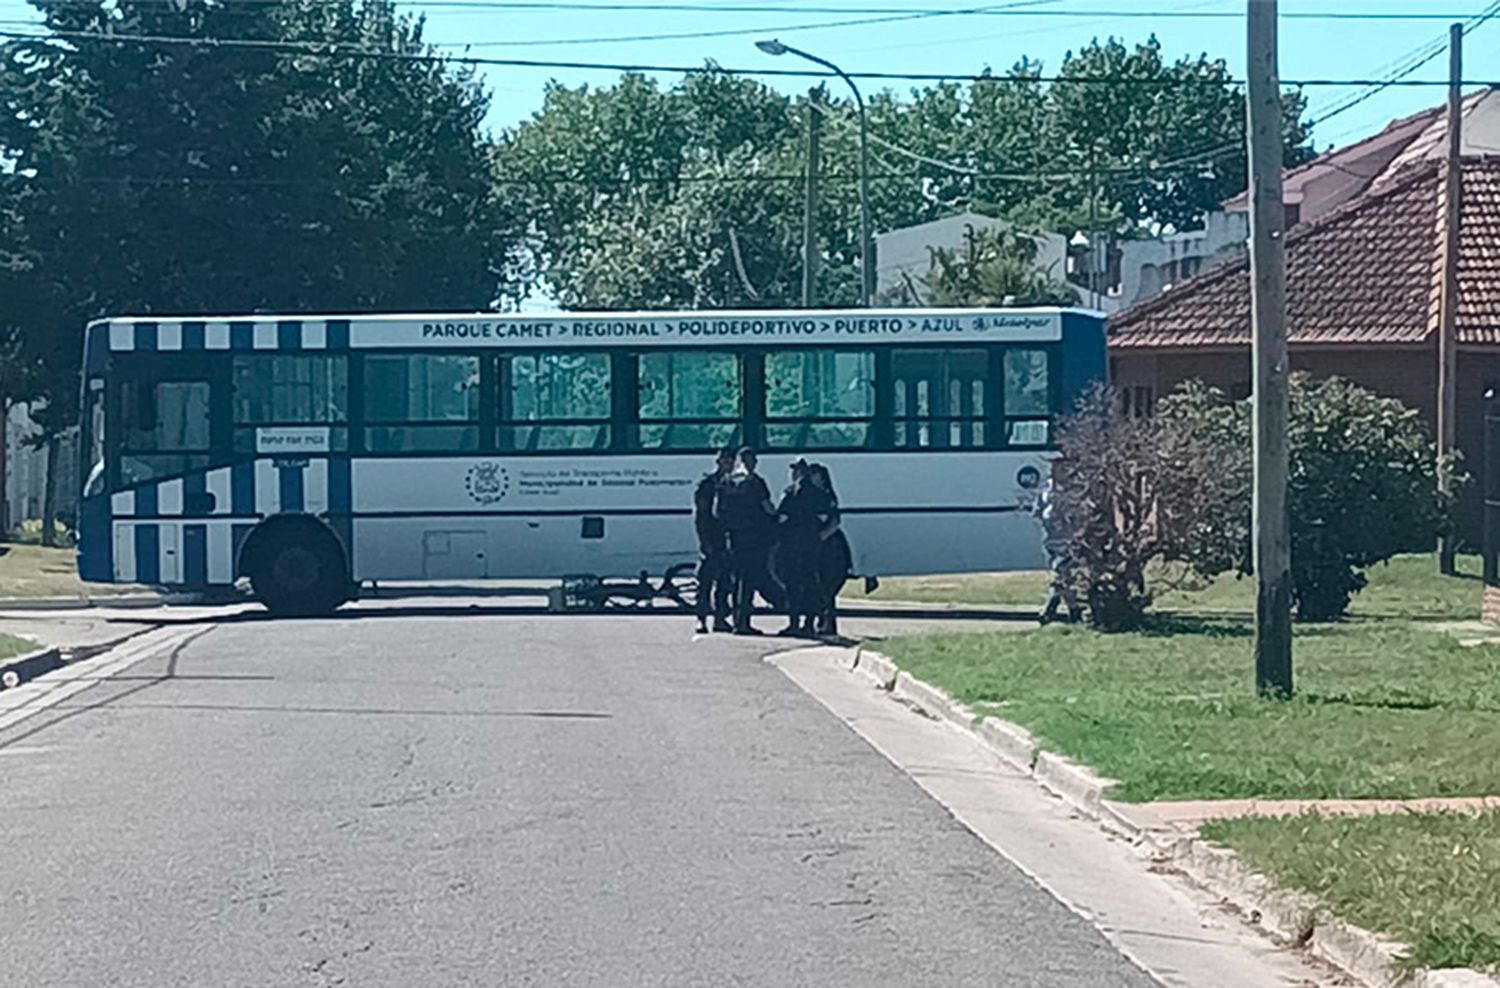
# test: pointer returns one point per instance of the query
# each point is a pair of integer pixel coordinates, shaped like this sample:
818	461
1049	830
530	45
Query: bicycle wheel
627	599
680	585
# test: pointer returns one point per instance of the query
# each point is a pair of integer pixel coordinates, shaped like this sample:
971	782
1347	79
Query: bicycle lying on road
678	588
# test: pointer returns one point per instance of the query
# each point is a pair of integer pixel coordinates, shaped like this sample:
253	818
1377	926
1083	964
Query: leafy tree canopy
200	179
1151	144
994	267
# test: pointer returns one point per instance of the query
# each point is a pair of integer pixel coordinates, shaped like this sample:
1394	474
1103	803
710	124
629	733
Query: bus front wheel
298	570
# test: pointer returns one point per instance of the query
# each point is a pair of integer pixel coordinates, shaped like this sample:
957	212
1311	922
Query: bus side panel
459	548
96	561
191	553
912	545
1085	360
503	518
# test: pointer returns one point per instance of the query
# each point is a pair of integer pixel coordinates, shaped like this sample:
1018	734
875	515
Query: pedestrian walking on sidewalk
1054	543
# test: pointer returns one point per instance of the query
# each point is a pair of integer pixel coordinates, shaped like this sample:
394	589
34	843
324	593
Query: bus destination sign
712	328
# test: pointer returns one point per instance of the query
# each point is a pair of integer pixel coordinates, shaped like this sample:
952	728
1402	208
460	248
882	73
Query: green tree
1361	488
1152	144
994	267
1125	113
198	179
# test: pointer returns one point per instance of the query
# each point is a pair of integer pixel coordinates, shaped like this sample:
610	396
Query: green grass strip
1429	880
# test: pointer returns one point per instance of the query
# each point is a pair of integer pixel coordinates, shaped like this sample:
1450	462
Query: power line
335	50
754	8
1429	52
772	29
765	178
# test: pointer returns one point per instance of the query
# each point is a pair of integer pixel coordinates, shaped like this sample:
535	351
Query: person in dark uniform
835	559
714	587
749	519
803	511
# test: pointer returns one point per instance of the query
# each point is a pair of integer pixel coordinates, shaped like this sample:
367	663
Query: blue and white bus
311	455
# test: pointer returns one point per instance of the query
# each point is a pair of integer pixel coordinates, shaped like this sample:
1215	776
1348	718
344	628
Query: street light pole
866	242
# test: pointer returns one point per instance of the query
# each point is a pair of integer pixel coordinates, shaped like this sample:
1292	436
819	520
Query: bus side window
555	401
164	428
938	398
1028	398
819	399
426	403
689	400
290	390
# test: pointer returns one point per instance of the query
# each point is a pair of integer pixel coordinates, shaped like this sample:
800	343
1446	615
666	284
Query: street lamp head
771	47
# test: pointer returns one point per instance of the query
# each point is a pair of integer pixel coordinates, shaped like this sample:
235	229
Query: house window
1138	401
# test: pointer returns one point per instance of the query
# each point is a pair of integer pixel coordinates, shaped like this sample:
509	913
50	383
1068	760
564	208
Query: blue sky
966	43
941	38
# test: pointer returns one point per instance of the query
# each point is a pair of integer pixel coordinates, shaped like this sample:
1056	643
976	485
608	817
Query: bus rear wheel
300	572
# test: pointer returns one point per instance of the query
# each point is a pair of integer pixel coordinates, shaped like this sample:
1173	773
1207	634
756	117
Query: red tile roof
1365	274
1479	257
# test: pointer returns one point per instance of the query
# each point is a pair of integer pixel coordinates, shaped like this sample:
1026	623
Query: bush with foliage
1171	495
1132	492
1363	486
995	266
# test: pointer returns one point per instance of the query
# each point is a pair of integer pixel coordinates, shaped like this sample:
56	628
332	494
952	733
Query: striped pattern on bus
283	335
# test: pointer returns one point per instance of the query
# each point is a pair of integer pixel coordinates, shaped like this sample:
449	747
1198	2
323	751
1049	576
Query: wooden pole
810	207
4	456
1272	551
1448	300
1094	226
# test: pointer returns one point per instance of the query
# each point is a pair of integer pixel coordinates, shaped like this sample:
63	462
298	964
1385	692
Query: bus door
939	397
168	420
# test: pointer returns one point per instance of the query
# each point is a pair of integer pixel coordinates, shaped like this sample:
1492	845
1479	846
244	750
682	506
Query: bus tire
297	568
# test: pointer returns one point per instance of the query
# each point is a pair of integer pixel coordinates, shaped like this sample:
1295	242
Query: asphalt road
394	798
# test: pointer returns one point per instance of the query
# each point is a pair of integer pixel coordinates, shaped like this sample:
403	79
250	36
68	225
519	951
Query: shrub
29	532
1171	495
1130	492
1362	486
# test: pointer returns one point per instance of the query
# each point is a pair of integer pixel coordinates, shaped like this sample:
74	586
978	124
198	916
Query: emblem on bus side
487	483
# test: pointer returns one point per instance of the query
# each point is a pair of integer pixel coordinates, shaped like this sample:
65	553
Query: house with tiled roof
1363	280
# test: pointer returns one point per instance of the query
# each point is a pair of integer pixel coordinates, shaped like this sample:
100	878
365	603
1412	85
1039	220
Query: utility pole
4	453
1448	301
1094	224
1272	551
810	208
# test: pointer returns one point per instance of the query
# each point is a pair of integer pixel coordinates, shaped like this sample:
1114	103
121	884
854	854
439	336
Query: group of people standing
792	552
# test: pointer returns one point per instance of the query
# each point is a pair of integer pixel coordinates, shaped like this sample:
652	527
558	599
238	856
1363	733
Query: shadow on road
389	608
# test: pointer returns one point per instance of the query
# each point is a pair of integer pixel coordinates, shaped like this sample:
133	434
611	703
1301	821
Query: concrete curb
876	666
934	701
1078	784
1291	916
1075	783
29	666
80	603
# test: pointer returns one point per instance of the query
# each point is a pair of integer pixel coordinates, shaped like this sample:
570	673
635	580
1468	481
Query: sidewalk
1373	892
71	631
1186	818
